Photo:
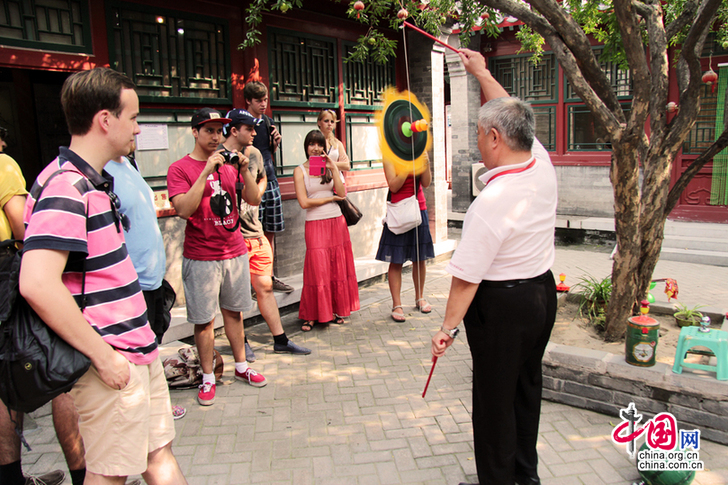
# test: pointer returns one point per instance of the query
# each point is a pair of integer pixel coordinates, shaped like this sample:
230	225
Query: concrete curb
605	383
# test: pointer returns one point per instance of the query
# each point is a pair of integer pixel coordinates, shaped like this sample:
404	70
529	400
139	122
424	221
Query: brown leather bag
185	372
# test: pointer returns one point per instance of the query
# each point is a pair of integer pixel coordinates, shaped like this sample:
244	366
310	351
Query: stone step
699	243
696	229
714	258
692	242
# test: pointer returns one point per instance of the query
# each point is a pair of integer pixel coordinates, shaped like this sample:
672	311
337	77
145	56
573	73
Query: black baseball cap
206	115
239	116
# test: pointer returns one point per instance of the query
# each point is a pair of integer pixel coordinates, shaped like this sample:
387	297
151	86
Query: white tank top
334	153
316	190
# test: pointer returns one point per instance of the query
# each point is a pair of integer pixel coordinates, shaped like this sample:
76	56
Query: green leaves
254	16
596	18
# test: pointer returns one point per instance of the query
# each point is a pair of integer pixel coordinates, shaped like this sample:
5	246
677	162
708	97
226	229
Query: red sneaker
251	377
206	395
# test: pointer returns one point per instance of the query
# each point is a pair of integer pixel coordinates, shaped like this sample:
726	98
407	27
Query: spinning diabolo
404	135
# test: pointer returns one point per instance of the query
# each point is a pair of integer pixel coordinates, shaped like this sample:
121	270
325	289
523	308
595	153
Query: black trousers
508	329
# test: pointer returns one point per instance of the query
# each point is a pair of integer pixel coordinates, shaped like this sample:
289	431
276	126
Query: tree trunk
655	189
652	237
624	175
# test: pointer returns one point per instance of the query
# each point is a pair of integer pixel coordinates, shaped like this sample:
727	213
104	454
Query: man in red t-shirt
202	188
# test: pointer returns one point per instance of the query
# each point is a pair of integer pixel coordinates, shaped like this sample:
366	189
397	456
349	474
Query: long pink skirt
329	276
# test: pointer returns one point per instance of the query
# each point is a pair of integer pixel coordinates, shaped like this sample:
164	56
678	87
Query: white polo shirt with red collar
508	231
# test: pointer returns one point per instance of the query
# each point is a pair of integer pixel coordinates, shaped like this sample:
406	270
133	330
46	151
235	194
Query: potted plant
686	317
595	296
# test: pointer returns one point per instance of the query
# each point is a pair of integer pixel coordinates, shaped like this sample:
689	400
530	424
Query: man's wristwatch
450	332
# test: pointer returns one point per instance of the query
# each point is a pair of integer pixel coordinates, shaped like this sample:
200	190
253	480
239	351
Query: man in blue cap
240	133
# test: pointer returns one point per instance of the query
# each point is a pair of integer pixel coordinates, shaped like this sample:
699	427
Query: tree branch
659	68
685	18
573	37
641	9
635	52
594	89
674	196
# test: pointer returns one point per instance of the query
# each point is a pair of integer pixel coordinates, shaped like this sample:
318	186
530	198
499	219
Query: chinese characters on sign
668	448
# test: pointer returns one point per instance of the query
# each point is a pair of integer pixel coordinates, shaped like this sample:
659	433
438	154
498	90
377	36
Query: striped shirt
115	305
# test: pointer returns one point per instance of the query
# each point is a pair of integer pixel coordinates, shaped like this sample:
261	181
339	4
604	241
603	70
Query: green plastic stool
715	340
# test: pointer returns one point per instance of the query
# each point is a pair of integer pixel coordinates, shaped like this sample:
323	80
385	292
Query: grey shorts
209	283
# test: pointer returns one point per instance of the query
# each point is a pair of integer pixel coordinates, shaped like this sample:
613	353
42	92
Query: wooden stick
434	362
431	36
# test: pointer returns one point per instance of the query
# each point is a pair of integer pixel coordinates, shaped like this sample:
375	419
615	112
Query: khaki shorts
121	427
260	256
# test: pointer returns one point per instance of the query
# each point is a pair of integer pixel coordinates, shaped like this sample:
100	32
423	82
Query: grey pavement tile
570	469
605	470
420	447
420	476
352	411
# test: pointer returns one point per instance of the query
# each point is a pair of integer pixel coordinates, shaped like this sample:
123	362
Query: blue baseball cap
237	117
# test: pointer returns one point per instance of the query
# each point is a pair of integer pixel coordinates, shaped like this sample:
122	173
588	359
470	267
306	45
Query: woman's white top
316	190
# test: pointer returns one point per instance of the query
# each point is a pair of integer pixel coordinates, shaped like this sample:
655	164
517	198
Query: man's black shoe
527	481
290	348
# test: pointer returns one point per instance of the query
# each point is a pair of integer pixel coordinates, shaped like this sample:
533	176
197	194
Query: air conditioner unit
478	170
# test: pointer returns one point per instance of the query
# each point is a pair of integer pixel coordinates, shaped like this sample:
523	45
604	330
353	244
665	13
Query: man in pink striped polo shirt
76	230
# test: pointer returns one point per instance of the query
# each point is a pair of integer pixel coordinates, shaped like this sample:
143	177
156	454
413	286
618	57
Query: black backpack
36	365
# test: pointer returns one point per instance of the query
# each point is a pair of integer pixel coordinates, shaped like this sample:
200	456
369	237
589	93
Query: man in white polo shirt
502	286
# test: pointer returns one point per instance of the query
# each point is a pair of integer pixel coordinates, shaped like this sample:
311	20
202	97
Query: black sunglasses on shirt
118	216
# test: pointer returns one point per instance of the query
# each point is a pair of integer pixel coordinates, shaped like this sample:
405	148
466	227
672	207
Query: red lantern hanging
358	6
710	78
402	14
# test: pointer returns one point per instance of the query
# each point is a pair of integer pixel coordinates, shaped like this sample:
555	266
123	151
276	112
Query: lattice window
620	79
546	126
585	134
713	47
171	55
60	25
364	82
521	78
303	69
362	141
702	135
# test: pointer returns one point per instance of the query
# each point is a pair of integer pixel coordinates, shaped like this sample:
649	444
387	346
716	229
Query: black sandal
338	320
308	326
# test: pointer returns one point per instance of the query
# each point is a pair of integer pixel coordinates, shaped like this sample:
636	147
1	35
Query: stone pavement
352	412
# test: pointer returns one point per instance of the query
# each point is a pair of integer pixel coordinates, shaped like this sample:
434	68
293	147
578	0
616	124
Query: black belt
514	283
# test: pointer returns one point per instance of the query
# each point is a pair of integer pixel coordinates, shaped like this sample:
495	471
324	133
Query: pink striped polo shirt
115	305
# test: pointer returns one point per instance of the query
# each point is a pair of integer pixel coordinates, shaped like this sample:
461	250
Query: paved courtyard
352	412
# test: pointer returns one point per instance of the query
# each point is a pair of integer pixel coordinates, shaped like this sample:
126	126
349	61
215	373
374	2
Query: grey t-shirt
250	225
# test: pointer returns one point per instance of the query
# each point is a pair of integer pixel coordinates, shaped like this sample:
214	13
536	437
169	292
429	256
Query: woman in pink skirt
330	290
